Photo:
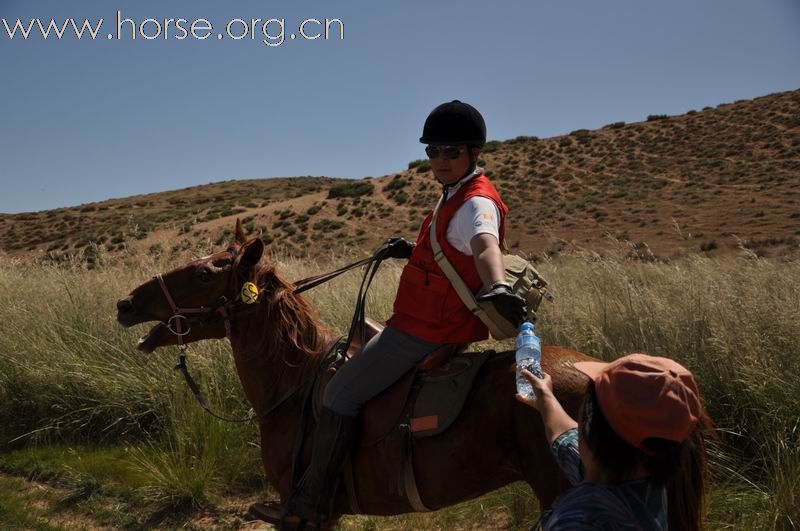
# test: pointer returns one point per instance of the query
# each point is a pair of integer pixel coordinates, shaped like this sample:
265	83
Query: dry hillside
718	180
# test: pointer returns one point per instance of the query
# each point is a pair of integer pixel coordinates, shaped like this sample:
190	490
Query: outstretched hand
397	247
542	388
556	420
510	305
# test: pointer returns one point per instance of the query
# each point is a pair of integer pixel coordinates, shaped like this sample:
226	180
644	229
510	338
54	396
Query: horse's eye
204	275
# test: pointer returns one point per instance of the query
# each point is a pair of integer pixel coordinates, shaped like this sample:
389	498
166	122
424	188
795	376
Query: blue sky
84	120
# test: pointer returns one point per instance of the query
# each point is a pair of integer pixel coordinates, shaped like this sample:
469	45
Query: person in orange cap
636	456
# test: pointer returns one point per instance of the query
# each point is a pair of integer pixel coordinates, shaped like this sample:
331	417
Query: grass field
114	439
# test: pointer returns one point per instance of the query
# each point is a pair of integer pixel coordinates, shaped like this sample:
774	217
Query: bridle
203	314
179	314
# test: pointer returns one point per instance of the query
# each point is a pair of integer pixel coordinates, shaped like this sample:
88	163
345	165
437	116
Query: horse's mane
287	320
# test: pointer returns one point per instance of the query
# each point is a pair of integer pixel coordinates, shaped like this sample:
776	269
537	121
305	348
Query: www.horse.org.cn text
269	31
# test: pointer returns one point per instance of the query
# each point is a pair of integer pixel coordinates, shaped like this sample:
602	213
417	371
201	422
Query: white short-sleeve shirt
478	215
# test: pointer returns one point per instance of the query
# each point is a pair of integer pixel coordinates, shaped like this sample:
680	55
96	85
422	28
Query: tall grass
735	324
69	373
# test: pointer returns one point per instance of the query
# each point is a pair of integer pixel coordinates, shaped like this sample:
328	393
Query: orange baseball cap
645	396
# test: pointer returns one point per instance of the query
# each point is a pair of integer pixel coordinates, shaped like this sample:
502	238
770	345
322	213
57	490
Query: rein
225	310
222	308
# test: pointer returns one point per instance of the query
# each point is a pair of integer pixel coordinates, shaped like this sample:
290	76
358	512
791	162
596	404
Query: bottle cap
527	325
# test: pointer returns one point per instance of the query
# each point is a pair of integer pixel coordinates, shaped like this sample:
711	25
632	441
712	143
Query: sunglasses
449	152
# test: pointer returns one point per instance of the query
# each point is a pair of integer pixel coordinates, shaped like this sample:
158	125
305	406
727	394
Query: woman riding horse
428	313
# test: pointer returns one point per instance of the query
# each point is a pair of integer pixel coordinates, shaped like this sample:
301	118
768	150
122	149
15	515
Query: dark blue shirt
634	505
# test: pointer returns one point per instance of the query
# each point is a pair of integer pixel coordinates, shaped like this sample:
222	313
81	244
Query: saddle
422	403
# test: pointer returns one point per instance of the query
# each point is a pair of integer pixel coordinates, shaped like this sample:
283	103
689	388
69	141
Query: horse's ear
239	232
251	253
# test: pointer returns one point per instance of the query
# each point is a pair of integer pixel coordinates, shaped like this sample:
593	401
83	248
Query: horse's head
199	290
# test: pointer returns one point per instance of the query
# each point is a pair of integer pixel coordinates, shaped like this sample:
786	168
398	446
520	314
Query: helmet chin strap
473	163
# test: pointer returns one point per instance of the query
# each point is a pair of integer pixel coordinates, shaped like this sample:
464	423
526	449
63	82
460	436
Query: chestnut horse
495	441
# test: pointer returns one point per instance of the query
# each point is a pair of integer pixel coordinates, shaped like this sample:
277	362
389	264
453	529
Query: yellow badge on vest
249	293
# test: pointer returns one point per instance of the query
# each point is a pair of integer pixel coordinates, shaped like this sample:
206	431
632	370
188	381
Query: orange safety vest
426	305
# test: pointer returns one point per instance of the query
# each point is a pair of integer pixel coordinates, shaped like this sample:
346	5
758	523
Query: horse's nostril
125	306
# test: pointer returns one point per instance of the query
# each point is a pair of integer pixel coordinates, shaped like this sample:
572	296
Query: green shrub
583	136
351	189
424	166
655	117
328	225
491	146
395	184
521	139
708	246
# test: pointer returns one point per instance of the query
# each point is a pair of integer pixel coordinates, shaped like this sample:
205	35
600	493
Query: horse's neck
267	377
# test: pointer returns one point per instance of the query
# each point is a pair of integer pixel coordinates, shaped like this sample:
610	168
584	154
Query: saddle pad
443	393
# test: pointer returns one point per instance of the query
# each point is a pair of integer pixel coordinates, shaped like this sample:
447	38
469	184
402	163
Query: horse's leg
277	447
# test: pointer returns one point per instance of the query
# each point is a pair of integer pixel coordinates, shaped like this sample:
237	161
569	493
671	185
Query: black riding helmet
454	123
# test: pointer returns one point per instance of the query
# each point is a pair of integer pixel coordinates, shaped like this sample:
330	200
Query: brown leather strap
227	320
170	300
312	282
410	484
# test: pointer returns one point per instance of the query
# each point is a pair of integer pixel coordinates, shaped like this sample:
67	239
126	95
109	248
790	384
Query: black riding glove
397	247
507	304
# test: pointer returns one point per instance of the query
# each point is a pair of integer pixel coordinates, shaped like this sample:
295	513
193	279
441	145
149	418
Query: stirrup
271	512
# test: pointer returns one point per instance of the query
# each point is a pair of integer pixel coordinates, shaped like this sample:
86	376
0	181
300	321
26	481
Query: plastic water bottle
529	356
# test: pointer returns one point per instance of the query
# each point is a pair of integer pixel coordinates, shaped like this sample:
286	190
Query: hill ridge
713	181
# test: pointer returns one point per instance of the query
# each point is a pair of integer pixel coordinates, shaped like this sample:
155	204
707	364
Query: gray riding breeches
383	360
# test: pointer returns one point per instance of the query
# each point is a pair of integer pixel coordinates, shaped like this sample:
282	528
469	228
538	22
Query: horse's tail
687	491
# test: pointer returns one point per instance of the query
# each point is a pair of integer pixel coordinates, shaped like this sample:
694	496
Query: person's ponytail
683	469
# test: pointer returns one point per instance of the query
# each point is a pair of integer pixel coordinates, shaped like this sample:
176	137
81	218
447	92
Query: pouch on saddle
432	394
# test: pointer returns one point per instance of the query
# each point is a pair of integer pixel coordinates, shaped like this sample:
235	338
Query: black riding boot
333	439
